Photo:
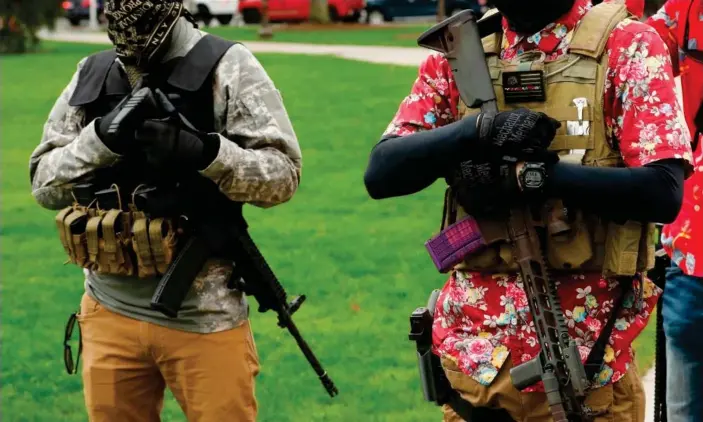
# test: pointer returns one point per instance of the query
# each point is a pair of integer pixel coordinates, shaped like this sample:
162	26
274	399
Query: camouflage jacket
263	168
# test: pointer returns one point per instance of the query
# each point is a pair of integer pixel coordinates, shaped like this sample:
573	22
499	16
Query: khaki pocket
622	246
469	388
75	226
645	259
115	243
570	249
80	247
146	267
489	257
629	398
556	217
162	242
600	403
61	227
96	260
89	307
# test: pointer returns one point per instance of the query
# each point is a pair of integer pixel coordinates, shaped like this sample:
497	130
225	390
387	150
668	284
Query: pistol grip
526	374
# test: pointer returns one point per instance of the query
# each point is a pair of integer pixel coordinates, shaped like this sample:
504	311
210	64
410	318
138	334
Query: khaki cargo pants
128	363
623	401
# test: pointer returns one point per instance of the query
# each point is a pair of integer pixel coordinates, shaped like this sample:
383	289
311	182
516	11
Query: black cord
660	369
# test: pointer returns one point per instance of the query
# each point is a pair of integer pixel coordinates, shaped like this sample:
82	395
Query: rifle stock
559	364
459	39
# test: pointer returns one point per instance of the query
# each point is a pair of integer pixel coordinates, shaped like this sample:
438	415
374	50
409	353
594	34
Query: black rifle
658	277
216	229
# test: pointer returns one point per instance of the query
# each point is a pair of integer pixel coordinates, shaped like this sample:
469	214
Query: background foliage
21	19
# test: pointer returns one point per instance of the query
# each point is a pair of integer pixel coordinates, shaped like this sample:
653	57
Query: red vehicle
299	10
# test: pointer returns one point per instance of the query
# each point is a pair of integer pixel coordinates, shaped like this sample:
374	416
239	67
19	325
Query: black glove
516	132
490	187
118	142
166	143
122	141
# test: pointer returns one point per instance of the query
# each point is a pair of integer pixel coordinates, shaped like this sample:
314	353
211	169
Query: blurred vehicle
299	10
206	10
380	11
191	6
79	10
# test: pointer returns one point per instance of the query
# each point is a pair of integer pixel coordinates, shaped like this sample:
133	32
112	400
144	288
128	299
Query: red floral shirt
682	238
482	319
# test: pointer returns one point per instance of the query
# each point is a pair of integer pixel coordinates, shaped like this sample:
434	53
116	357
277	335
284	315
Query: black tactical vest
187	81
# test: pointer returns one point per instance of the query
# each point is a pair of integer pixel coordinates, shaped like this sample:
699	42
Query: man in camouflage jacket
206	356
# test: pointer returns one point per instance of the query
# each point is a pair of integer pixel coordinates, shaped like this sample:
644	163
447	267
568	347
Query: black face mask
141	30
531	16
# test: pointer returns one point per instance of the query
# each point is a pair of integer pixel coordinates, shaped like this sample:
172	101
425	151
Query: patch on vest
524	87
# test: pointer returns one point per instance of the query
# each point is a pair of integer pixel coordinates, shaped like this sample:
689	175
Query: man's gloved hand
138	106
166	143
515	133
119	143
486	187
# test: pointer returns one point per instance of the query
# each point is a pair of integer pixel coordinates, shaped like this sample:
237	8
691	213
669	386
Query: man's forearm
263	177
405	165
650	193
62	158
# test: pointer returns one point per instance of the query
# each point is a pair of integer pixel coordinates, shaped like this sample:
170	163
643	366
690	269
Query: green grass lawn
354	34
361	262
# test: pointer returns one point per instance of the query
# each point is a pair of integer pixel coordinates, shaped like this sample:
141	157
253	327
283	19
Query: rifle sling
596	357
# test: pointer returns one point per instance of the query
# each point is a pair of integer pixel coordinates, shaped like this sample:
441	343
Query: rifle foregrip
526	374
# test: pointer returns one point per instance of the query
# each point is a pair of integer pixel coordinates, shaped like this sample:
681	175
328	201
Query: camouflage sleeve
67	151
259	159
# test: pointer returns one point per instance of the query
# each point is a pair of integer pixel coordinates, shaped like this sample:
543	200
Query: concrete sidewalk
408	56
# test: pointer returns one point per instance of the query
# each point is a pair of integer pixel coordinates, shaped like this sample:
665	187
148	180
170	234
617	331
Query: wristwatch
533	177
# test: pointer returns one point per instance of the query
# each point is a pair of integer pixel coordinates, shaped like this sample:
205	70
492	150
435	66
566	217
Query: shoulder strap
92	78
592	33
195	68
596	357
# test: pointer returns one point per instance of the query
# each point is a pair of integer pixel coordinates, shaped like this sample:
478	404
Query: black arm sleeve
650	193
408	164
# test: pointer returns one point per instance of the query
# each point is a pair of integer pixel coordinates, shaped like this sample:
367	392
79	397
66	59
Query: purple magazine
454	243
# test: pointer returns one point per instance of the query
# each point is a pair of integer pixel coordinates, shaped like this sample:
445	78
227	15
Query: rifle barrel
310	356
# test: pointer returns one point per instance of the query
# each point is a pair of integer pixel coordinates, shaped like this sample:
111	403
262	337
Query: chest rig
571	90
105	230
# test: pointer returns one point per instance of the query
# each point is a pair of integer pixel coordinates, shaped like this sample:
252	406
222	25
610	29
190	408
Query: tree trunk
265	32
319	11
441	7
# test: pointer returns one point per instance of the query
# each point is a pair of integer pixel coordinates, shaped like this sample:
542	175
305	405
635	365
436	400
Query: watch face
533	179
